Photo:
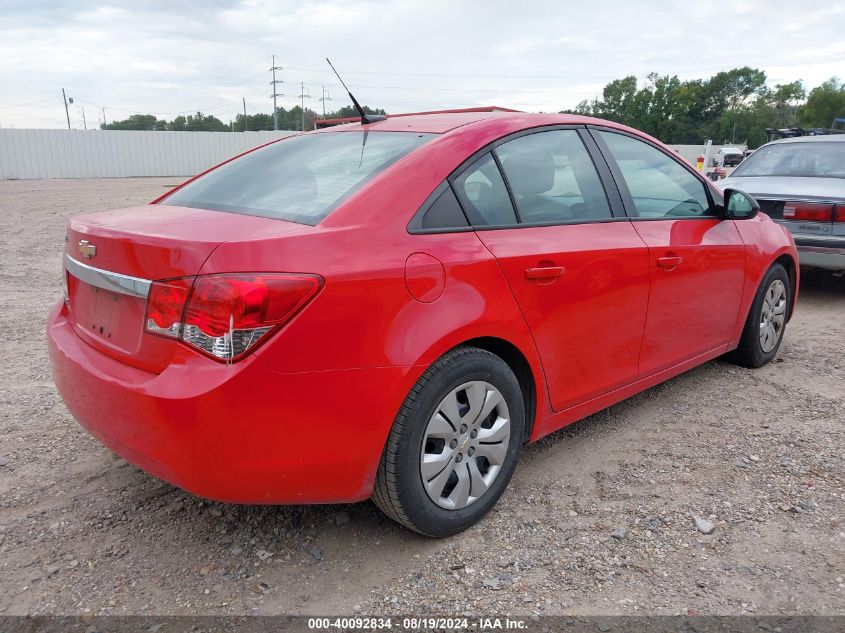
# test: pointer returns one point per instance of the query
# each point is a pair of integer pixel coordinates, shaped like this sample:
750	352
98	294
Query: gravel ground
599	518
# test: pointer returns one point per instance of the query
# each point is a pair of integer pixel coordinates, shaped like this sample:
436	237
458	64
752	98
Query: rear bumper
240	433
820	252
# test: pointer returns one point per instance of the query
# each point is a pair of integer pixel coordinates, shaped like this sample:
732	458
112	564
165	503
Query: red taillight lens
226	316
165	305
811	211
839	214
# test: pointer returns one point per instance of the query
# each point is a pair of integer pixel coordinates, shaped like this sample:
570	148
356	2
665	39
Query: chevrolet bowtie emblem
87	249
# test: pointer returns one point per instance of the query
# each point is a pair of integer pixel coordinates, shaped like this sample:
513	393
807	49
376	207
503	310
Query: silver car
800	182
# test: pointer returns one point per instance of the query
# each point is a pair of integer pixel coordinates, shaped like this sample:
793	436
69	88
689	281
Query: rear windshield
820	158
301	179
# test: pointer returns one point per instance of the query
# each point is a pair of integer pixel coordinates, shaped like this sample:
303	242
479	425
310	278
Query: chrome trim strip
115	282
827	250
824	239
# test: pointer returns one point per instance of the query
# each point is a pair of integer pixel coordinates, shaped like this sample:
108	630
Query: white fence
29	154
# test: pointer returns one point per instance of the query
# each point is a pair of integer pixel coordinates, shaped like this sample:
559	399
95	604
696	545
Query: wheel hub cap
465	445
772	316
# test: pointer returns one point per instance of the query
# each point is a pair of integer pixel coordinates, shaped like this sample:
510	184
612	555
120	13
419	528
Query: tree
731	106
288	120
348	111
825	103
617	100
198	122
136	122
731	90
254	122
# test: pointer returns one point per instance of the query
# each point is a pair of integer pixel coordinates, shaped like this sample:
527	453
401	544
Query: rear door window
483	194
552	178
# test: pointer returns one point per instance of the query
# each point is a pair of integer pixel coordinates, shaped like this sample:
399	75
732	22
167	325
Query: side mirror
739	205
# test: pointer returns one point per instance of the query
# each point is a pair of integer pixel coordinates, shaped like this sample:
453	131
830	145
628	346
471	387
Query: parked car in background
393	309
800	183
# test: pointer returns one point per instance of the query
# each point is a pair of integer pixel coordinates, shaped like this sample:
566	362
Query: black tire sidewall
427	516
750	344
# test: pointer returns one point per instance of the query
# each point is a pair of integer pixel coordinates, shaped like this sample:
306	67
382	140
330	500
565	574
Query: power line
474	90
28	103
455	75
219	106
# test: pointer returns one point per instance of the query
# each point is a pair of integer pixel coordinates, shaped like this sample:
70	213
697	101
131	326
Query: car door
575	264
697	259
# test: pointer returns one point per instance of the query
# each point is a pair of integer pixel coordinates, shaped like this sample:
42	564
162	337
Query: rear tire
766	322
454	444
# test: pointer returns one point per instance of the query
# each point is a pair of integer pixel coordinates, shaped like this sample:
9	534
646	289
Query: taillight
839	214
811	211
227	316
165	305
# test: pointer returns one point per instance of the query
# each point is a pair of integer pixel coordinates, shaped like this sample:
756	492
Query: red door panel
583	289
697	273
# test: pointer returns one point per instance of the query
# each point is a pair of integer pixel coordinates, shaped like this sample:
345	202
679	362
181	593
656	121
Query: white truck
728	157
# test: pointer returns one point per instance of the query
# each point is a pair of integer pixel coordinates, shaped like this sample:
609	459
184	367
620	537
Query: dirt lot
757	453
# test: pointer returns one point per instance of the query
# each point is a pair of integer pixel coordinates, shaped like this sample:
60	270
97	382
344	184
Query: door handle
544	272
669	262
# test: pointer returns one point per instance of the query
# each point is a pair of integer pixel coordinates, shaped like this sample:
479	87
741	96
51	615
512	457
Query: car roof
819	138
442	123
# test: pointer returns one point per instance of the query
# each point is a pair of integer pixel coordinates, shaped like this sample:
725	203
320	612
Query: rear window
301	179
818	158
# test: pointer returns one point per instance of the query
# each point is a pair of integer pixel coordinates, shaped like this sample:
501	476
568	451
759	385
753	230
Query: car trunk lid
115	254
776	193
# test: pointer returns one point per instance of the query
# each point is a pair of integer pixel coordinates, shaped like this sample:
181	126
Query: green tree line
735	106
289	119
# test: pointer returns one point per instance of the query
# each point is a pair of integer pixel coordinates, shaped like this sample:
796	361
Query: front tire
766	322
454	445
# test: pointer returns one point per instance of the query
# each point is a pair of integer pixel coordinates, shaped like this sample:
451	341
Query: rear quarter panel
365	315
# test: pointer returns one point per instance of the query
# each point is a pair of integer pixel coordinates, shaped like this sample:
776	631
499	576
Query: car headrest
530	172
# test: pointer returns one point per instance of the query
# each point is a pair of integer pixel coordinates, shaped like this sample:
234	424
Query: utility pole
84	123
67	115
275	94
104	117
325	98
244	99
302	98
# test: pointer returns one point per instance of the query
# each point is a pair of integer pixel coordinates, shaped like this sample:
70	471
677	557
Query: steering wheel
682	209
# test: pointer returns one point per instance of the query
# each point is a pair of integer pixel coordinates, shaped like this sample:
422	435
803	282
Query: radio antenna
365	118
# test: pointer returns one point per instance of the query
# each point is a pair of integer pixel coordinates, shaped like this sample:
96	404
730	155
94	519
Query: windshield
301	179
825	159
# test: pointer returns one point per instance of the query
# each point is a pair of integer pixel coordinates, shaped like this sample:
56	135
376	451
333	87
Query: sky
178	56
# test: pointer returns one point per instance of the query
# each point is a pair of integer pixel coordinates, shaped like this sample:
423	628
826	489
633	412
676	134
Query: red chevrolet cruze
393	309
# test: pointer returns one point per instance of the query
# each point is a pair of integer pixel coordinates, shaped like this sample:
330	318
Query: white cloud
166	57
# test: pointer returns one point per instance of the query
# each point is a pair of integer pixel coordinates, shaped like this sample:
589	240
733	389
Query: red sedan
393	309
